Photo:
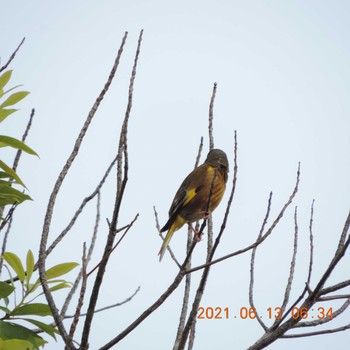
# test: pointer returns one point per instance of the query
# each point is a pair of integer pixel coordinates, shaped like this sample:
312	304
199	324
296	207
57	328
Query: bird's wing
181	200
187	191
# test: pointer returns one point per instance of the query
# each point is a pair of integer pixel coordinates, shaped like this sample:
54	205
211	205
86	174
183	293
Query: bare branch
91	248
337	257
4	241
24	136
85	201
118	200
210	126
311	238
326	319
334	297
186	297
12	56
205	274
335	287
312	298
127	228
306	289
191	336
252	263
53	196
292	268
110	306
200	149
325	331
161	236
262	239
81	296
147	312
160	300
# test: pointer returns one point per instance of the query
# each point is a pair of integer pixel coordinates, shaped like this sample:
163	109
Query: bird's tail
166	241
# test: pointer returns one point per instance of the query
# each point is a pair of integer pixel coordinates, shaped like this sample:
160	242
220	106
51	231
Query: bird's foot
197	236
206	215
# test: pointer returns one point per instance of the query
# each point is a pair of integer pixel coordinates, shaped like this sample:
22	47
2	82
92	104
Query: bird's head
218	158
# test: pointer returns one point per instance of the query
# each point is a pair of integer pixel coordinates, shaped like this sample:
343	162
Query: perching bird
191	201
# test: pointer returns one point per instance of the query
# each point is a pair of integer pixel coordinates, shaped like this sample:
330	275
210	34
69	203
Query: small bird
204	185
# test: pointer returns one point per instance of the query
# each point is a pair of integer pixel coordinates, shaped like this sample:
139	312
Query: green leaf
15	262
37	309
16	344
4	175
61	286
4	113
5	309
4	78
60	281
11	331
14	98
60	269
50	330
30	265
9	195
11	172
7	301
5	289
7	141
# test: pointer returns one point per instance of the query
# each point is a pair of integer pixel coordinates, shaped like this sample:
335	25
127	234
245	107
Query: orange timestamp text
225	313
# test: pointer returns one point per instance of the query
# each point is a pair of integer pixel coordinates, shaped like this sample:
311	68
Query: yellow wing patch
190	195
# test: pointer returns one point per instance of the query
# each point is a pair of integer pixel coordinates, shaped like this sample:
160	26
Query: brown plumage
191	201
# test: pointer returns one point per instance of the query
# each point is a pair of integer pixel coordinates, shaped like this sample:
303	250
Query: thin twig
148	311
161	236
252	265
4	242
159	301
292	268
258	242
211	147
111	306
311	334
186	296
325	319
12	56
306	288
206	271
84	202
53	196
312	298
127	228
81	296
211	116
91	248
118	200
199	153
334	297
311	239
24	136
335	287
337	257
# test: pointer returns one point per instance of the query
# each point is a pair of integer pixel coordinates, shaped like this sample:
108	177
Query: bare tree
288	317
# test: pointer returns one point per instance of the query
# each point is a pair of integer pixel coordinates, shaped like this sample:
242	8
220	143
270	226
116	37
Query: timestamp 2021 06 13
244	312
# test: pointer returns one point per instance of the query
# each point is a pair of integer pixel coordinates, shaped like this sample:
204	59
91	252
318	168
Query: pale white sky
283	75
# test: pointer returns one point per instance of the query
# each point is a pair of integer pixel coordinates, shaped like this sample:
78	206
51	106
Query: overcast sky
283	75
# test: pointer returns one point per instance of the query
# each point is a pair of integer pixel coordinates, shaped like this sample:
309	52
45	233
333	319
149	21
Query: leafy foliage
8	194
12	335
